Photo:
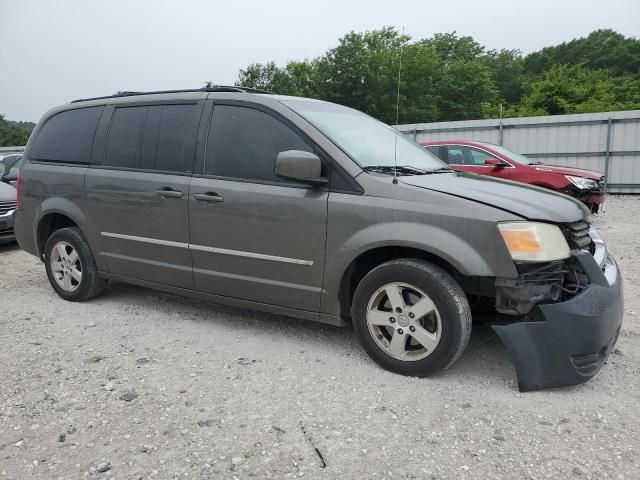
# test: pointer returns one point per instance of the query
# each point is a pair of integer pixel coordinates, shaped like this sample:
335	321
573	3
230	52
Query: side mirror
302	166
494	162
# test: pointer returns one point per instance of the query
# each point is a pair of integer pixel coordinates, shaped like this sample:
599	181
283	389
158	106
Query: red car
497	161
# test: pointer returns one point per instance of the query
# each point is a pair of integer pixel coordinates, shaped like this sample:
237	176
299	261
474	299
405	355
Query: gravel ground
137	384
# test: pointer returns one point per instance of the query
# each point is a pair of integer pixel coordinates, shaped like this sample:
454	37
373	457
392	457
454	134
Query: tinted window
67	136
125	137
159	137
243	143
176	137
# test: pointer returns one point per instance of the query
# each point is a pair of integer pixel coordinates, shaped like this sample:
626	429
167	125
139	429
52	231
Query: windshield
369	142
516	157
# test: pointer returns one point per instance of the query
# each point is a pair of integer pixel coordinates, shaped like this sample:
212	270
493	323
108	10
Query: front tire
70	266
411	317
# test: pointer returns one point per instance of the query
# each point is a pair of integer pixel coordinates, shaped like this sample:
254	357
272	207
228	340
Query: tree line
14	133
451	77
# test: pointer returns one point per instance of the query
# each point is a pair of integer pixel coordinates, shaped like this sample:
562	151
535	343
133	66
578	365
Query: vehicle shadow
9	247
485	361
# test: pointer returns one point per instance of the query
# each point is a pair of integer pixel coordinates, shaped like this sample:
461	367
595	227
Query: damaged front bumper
575	337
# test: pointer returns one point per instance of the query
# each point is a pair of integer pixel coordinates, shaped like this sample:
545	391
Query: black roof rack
208	88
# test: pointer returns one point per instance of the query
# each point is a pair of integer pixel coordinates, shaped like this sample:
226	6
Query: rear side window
67	136
156	137
125	137
243	143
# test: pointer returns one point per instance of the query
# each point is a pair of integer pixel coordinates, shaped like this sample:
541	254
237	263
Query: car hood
527	201
576	172
7	193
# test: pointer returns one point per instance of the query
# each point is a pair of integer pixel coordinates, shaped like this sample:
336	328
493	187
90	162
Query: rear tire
411	317
70	266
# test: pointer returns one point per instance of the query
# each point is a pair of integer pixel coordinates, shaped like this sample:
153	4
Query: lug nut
411	315
400	331
392	320
398	309
412	328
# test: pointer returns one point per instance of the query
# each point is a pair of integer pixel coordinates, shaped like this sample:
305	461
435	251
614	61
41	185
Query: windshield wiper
400	169
439	170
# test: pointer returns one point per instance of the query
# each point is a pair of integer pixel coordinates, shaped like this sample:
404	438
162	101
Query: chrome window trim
203	248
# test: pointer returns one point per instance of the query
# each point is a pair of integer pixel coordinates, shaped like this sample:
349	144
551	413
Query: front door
138	196
255	236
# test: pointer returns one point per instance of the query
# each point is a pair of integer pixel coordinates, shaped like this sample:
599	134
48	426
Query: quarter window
243	143
67	136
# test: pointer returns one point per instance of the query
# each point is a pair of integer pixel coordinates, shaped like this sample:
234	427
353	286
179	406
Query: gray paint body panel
273	220
126	203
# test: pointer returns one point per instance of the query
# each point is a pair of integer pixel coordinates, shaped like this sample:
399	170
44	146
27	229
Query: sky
53	51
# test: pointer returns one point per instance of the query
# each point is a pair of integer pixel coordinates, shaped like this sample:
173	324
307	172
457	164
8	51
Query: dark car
314	210
496	161
7	210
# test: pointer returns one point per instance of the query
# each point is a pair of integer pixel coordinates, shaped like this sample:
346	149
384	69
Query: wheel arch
48	224
371	258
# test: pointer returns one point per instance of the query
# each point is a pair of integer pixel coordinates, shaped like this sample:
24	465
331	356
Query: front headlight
534	242
582	183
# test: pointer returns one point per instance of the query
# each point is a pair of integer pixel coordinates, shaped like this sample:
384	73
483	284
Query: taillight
18	196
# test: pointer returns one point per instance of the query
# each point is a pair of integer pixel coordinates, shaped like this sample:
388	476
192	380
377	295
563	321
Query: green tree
260	76
601	49
451	77
576	89
507	73
361	72
466	84
12	134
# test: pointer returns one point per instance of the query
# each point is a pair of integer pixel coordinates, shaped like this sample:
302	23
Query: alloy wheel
404	321
66	266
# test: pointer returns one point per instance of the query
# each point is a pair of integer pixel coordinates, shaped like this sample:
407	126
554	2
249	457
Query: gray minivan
314	210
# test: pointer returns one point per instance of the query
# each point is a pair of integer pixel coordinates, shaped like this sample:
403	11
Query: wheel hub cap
403	321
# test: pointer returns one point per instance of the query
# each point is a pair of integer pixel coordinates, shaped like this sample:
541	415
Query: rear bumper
573	342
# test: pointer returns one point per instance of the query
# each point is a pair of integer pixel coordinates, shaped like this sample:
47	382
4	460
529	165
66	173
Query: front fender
428	238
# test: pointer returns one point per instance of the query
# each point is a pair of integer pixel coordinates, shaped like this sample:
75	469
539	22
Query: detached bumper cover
573	342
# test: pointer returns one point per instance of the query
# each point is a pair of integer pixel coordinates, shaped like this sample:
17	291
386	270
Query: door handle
210	197
169	193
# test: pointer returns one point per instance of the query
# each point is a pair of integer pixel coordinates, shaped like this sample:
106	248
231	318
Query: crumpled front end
566	342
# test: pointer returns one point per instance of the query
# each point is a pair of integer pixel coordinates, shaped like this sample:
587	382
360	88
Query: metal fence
8	150
608	142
